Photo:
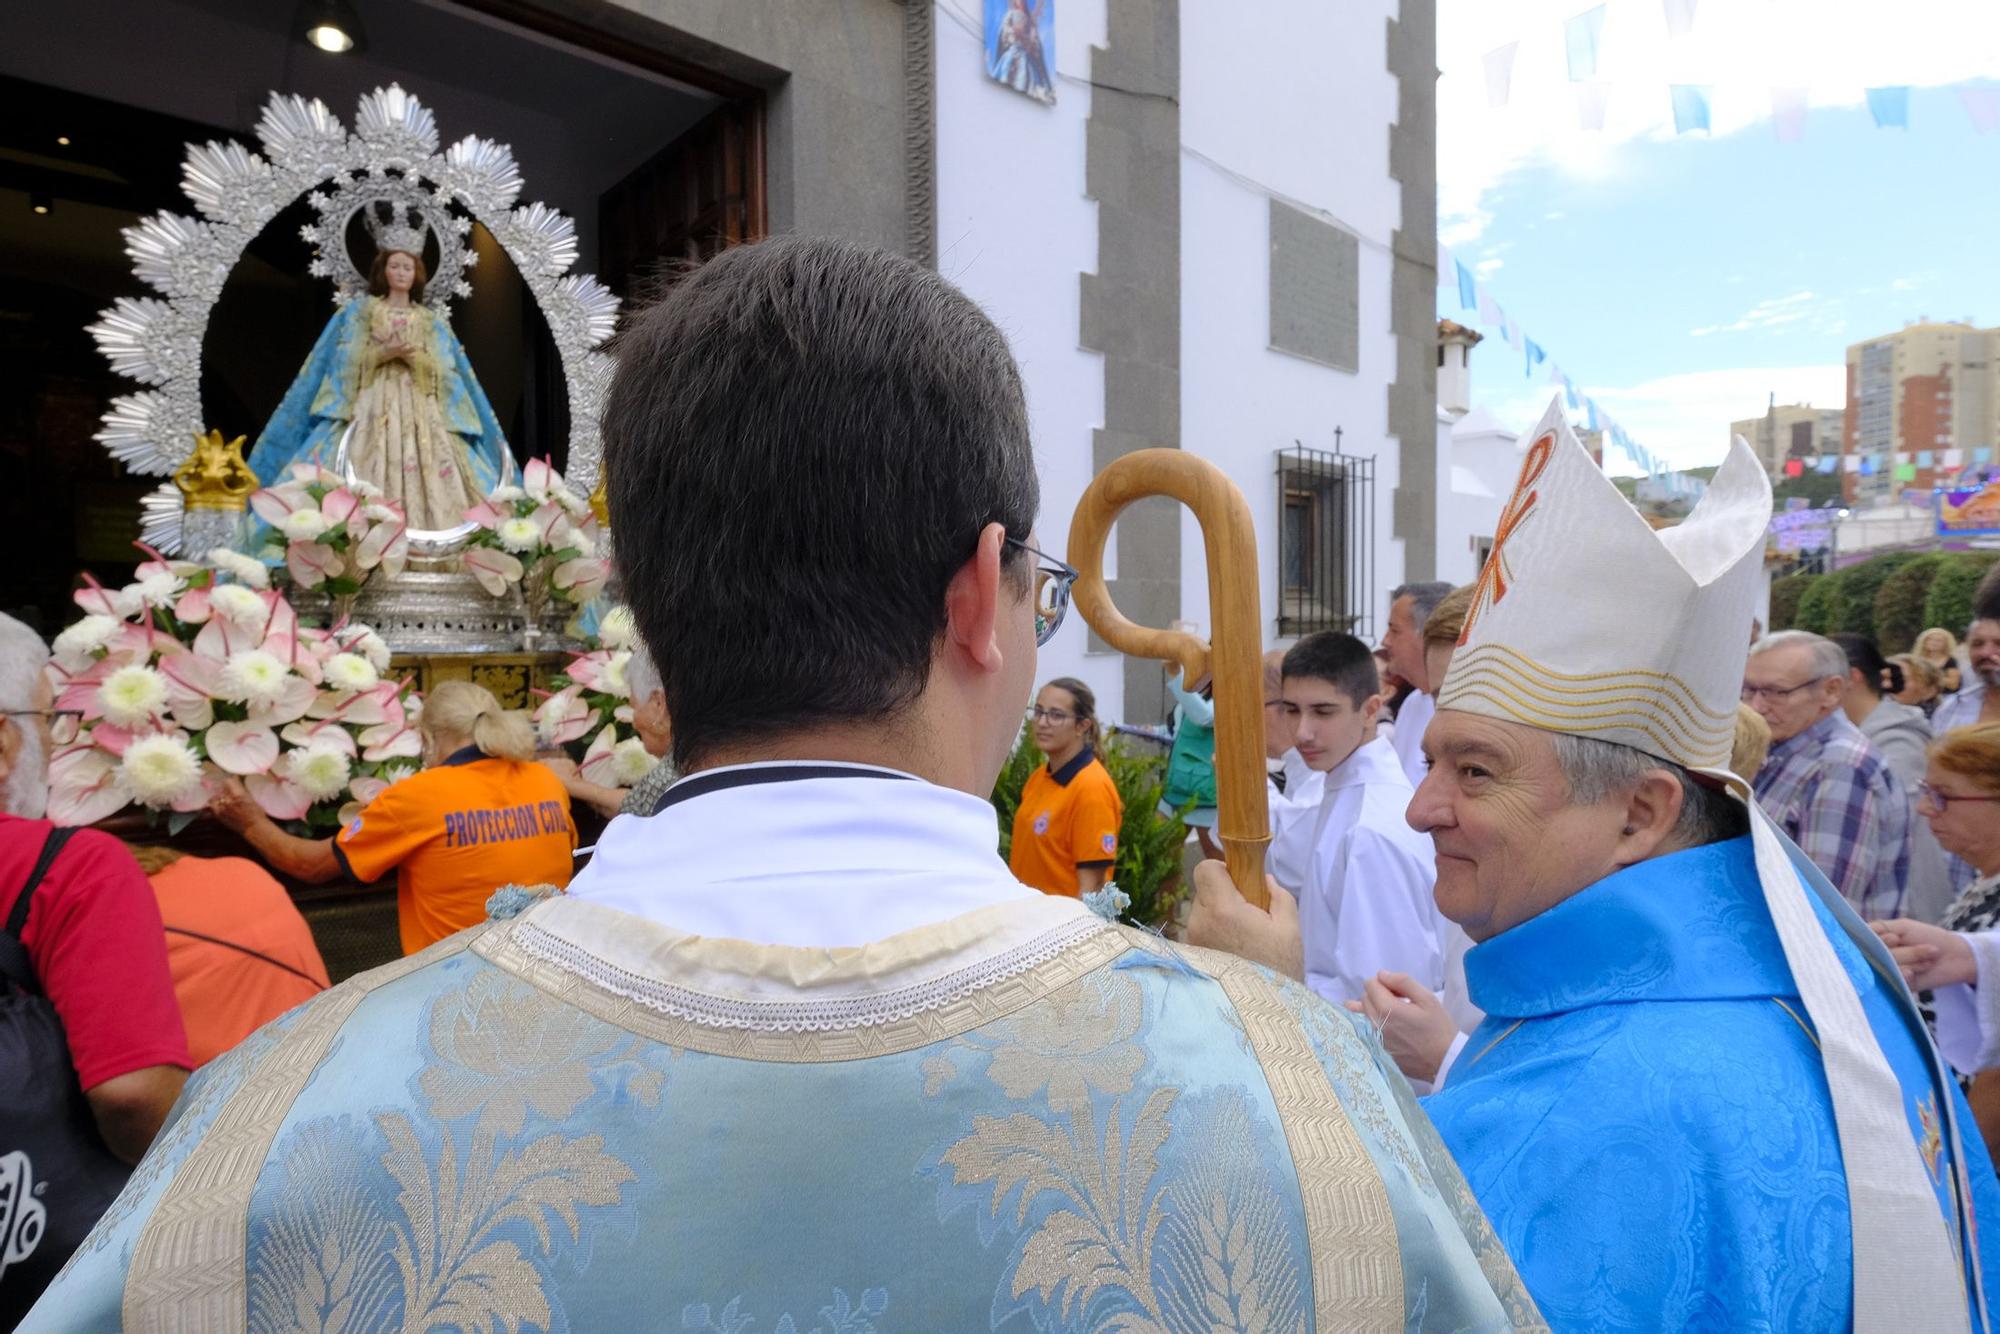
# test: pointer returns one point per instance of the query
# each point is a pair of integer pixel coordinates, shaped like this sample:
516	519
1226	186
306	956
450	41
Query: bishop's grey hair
1828	658
1424	599
1597	769
642	678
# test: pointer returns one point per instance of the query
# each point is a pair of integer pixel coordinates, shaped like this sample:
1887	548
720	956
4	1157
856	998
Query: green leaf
343	585
180	820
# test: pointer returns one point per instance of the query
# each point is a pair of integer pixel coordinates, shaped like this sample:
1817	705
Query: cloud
1489	266
1834	49
1682	418
1770	313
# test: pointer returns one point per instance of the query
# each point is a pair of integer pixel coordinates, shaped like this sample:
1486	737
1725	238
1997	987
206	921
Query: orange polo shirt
457	832
1066	819
240	953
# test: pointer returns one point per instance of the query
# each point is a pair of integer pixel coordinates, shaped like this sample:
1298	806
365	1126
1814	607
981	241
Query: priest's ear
1652	812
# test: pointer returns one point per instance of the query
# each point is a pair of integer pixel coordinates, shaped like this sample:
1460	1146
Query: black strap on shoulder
245	949
14	961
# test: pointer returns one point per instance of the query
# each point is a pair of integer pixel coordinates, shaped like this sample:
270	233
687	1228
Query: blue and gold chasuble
1644	1114
1021	1118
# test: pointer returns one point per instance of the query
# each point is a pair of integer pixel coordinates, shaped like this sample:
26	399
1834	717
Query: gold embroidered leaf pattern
1070	1042
1229	1227
504	1047
323	1265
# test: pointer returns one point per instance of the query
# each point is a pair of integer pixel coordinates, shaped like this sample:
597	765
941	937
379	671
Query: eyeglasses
1942	800
1056	716
1052	581
63	723
1751	693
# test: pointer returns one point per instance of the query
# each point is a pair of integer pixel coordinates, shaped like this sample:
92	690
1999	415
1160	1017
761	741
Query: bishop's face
1510	845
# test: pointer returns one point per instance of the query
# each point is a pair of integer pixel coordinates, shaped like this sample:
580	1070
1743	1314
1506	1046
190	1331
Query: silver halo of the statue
156	340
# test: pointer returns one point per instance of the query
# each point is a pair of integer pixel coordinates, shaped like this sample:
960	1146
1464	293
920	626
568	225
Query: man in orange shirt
240	953
482	815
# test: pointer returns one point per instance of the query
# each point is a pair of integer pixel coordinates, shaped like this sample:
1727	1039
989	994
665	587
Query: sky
1682	279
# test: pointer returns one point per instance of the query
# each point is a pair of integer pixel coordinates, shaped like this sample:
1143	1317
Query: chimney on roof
1455	344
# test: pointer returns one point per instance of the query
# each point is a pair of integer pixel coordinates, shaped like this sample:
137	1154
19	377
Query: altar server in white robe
1293	789
798	1051
1367	905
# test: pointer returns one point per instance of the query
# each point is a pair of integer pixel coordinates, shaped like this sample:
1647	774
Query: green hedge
1859	585
1819	605
1899	603
1949	600
1785	595
1149	844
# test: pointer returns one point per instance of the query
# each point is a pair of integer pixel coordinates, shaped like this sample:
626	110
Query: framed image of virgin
1021	46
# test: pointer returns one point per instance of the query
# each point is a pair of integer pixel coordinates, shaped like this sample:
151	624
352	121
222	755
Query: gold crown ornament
214	476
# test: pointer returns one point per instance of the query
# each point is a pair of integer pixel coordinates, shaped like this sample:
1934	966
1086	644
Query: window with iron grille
1326	504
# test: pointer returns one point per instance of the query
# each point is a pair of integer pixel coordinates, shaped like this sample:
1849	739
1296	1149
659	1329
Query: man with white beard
85	1095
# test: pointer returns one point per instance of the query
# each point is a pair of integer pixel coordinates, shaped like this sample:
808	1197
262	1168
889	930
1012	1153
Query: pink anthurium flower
243	748
565	717
312	563
281	798
485	514
390	741
375	549
326	735
584	577
273	503
295	699
192	609
366	789
83	786
341	506
494	569
537	476
107	737
597	766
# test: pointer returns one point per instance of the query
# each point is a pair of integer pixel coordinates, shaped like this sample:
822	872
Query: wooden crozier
1233	661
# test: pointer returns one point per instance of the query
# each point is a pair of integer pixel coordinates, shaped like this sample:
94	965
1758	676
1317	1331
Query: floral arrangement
539	537
592	700
194	671
331	533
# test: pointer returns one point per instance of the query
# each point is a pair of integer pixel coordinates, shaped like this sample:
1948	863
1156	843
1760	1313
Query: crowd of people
1623	898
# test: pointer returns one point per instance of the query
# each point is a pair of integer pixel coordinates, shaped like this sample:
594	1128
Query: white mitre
1588	622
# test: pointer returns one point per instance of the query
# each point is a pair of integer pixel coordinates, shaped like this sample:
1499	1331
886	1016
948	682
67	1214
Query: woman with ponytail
1066	827
479	815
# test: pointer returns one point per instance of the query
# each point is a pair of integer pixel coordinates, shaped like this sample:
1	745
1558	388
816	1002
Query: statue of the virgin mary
390	368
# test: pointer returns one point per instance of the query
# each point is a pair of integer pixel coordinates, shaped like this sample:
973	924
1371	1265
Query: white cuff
1968	1027
1444	1066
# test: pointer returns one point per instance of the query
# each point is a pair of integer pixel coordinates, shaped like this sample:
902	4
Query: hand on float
1222	919
1416	1029
1929	956
234	807
562	766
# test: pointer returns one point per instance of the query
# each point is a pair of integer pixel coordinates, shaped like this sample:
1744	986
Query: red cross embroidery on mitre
1491	585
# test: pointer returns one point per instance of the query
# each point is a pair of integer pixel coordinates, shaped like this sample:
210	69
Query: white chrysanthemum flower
253	677
581	541
87	636
364	490
304	525
351	671
396	773
376	512
506	494
321	770
237	605
618	629
518	534
158	589
160	769
614	674
630	761
370	646
243	569
133	695
574	504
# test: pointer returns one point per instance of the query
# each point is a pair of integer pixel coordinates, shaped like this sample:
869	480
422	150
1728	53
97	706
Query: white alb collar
804	854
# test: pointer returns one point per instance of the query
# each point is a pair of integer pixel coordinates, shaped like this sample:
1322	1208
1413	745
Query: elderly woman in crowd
1923	683
480	815
655	732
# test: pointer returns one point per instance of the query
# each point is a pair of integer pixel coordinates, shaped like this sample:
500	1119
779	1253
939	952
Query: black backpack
57	1176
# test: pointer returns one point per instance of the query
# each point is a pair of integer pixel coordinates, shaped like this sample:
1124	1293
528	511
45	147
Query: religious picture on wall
1021	46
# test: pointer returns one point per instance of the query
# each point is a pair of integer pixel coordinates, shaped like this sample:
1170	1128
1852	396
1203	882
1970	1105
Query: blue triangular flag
1533	355
1690	107
1580	36
1468	287
1890	107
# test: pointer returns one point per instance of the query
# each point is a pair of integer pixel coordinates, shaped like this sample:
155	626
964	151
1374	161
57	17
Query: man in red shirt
92	934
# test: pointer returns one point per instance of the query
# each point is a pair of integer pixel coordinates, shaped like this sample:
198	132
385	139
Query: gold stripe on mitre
1655	712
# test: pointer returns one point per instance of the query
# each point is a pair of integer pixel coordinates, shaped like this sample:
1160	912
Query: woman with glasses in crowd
1066	827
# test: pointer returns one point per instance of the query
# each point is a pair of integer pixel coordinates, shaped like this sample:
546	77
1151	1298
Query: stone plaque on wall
1315	289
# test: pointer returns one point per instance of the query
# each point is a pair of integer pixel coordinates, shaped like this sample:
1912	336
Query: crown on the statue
396	233
1587	621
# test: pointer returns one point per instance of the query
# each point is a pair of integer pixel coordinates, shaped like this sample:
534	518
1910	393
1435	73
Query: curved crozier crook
1232	660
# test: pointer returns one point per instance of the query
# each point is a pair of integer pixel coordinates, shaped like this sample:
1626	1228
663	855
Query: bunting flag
1906	472
1580	35
1444	262
1867	465
1489	311
1890	107
1902	456
1851	463
1500	74
1469	297
1533	355
1953	458
1983	105
1590	101
1569	393
1788	114
1690	107
1982	455
1590	412
1829	464
1680	17
1923	458
1794	468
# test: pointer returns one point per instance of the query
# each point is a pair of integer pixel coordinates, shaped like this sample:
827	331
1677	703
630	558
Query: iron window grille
1326	548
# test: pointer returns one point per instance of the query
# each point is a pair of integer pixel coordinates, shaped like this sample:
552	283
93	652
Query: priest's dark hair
803	441
1339	659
